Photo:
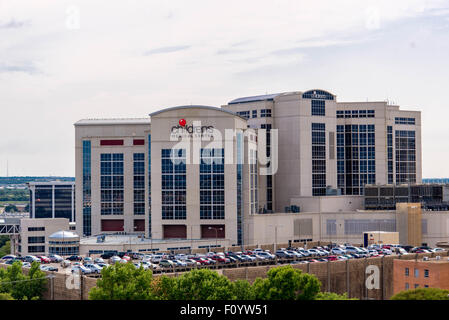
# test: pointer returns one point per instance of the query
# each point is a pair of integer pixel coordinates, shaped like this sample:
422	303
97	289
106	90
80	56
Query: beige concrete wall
51	226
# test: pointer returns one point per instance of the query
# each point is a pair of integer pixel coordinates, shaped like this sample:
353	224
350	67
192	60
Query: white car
148	265
115	259
95	268
181	256
295	254
81	269
437	249
179	263
98	260
55	258
65	263
316	252
342	258
338	251
266	255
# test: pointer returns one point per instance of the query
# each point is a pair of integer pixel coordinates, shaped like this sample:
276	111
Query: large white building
127	179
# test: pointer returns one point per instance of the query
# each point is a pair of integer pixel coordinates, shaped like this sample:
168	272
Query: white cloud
131	58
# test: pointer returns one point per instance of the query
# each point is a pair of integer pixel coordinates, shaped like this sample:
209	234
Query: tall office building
328	147
128	179
139	175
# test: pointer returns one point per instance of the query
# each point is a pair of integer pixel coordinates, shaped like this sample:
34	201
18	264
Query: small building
380	237
423	273
64	243
54	199
34	235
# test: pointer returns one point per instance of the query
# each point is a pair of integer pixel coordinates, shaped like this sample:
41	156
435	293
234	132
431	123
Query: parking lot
168	263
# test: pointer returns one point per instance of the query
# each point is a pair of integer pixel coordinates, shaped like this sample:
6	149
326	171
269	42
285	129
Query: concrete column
348	287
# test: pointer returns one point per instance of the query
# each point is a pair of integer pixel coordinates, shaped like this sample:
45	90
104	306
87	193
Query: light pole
216	234
275	235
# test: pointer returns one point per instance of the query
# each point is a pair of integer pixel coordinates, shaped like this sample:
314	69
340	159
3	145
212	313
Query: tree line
125	282
16	285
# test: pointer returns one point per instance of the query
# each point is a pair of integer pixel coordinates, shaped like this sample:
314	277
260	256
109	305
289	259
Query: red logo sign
182	122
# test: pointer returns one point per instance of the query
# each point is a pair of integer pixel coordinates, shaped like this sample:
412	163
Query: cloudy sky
61	61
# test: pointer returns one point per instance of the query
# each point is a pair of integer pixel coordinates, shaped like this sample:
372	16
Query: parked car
332	258
438	250
179	263
149	265
103	265
94	268
9	257
316	252
166	263
270	255
48	268
44	259
55	258
81	269
295	254
115	259
32	259
107	255
351	249
26	265
98	260
338	251
305	253
65	263
220	259
202	261
283	254
88	260
343	258
75	258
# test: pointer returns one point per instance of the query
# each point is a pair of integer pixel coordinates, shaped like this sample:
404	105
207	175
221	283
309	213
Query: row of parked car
159	260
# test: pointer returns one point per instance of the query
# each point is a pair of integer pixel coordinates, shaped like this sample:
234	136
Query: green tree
123	282
5	249
333	296
10	208
243	290
287	283
5	296
203	284
21	286
422	294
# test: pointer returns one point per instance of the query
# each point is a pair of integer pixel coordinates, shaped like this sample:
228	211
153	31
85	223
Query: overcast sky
61	61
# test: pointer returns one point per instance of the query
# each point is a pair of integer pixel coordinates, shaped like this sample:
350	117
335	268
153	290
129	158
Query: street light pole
216	234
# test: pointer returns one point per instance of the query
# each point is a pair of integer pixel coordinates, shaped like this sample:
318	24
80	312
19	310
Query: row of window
416	272
264	113
173	184
404	121
139	183
356	113
112	183
318	158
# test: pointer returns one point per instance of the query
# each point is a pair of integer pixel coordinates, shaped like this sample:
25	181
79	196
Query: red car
201	261
332	258
220	259
44	259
